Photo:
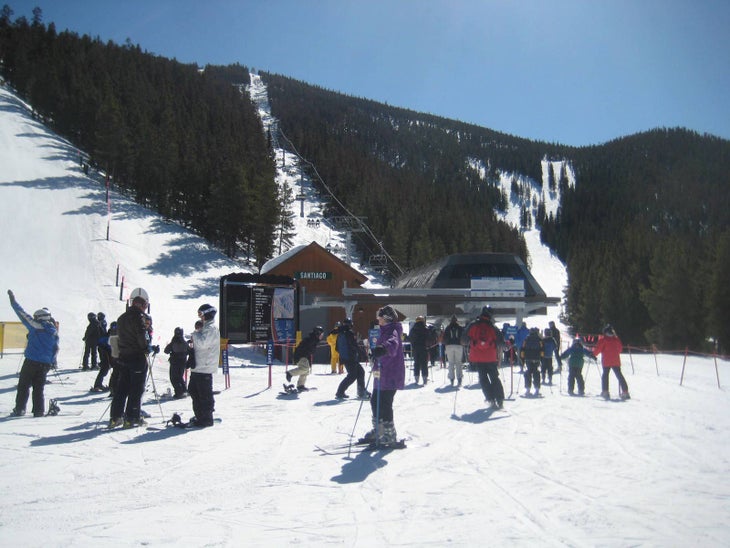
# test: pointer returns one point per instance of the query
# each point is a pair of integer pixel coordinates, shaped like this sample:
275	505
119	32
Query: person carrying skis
207	349
40	355
91	341
531	354
178	349
302	356
349	352
419	346
611	346
576	355
454	351
389	376
485	345
134	347
335	363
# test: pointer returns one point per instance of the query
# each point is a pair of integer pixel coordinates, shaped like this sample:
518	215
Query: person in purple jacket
389	373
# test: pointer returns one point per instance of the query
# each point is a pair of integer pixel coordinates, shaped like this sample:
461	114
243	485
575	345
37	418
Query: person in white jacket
206	347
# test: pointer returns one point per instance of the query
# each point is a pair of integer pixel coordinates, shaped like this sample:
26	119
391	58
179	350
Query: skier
485	342
40	355
531	354
575	355
419	347
611	346
454	351
302	355
348	350
178	349
335	363
134	347
104	362
389	373
206	345
550	349
555	334
91	340
520	337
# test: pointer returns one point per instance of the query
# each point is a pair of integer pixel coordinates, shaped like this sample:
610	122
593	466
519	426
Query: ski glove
379	351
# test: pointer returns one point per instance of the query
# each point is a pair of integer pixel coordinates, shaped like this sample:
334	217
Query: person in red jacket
611	346
485	344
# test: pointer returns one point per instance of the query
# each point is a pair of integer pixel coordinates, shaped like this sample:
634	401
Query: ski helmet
101	316
178	331
42	315
347	322
91	316
208	311
387	313
138	295
486	312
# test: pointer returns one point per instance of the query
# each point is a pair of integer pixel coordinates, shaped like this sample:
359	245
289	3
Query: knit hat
387	313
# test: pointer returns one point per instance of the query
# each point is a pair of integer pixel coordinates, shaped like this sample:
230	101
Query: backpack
485	335
532	348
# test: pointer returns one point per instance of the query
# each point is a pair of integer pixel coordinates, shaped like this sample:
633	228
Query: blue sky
577	72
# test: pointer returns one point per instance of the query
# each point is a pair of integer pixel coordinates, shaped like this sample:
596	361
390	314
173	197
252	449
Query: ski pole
154	388
104	413
359	409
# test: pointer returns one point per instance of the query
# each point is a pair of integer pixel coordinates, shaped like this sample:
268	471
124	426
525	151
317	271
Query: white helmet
139	293
42	315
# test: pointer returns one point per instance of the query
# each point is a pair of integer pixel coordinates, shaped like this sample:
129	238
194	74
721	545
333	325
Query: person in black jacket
454	351
134	346
178	349
91	340
302	355
419	338
348	349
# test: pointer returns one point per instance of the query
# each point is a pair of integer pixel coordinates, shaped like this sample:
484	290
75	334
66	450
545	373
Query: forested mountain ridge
643	231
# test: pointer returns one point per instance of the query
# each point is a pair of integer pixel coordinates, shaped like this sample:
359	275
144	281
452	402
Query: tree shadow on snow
357	469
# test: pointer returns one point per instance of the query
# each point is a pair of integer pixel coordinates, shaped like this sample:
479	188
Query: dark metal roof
457	271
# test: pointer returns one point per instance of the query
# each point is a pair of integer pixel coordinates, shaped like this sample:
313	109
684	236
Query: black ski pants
621	380
127	401
489	381
104	357
355	373
547	369
381	404
89	350
177	378
420	362
32	374
575	375
200	389
532	374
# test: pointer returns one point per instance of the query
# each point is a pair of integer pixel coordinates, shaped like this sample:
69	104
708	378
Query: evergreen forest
644	232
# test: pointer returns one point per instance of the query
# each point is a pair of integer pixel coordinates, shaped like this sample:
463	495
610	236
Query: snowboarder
91	341
178	349
576	355
454	351
611	346
302	356
531	354
40	355
485	342
348	350
419	346
134	347
207	349
389	373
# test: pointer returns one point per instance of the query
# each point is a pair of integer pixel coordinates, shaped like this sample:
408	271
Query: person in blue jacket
520	337
40	355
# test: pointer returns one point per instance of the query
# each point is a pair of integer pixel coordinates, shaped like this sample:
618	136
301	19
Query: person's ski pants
200	389
621	380
455	357
489	381
302	369
532	374
575	375
32	374
420	363
355	373
129	388
381	404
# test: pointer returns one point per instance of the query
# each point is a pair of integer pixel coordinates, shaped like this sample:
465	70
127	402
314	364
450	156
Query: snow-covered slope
555	471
